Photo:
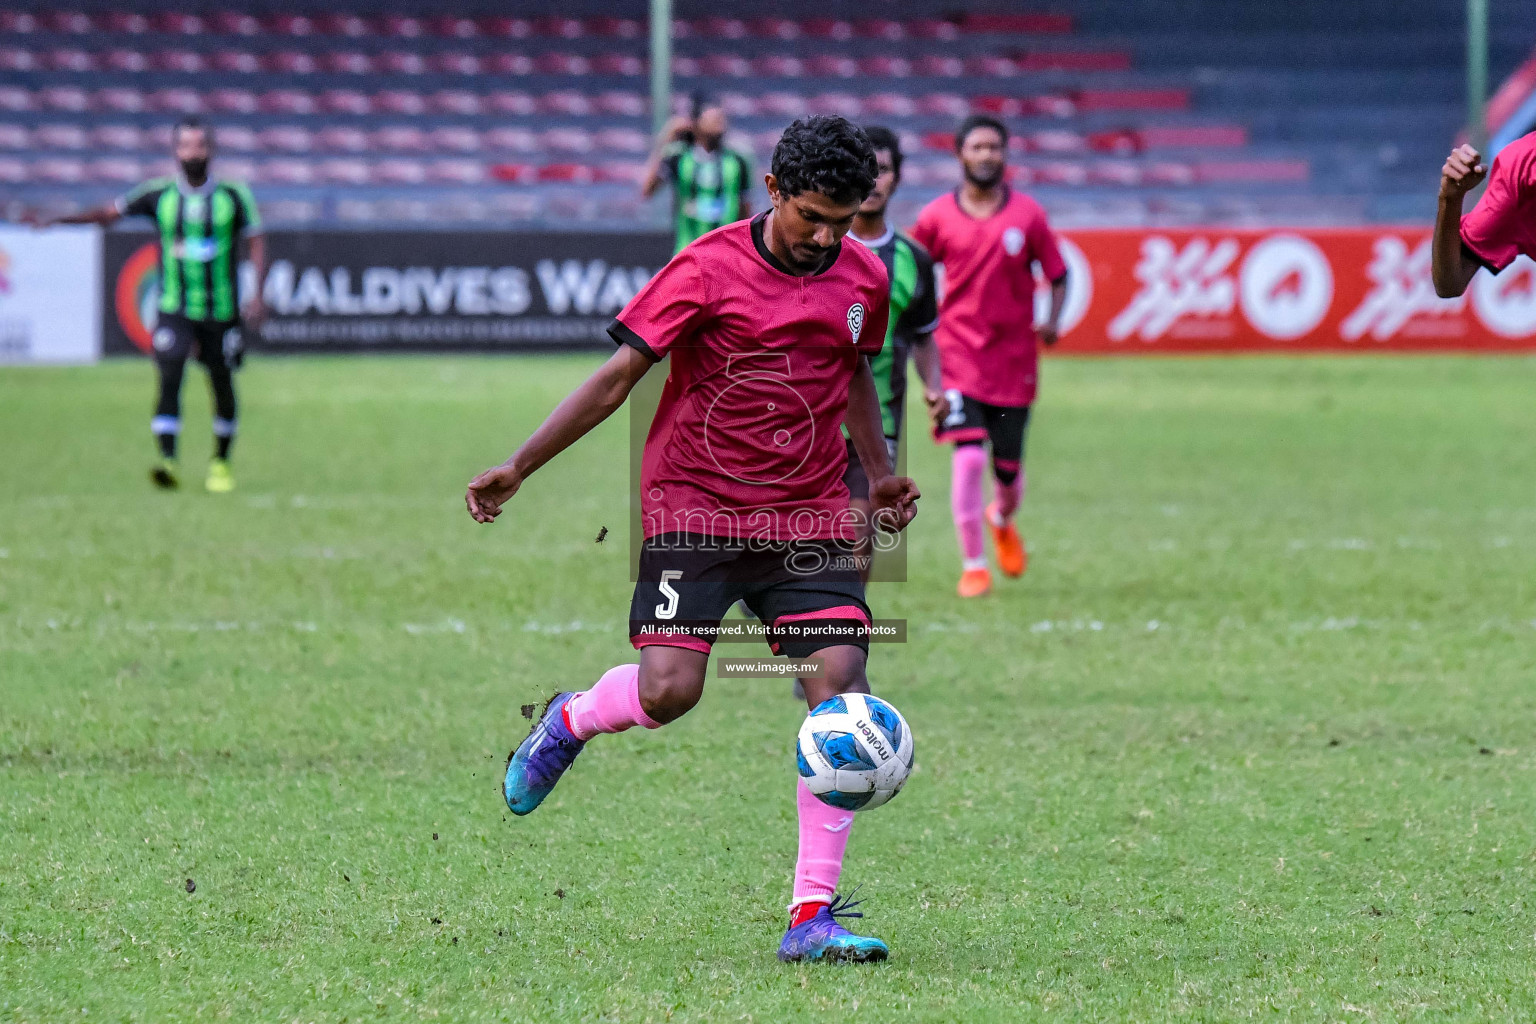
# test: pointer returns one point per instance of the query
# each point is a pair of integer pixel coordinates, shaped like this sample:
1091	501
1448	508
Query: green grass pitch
1253	739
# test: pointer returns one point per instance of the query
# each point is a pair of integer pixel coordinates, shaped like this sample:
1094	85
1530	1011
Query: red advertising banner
1343	289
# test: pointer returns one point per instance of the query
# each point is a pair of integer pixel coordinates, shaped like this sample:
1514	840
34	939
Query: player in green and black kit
914	316
710	181
200	221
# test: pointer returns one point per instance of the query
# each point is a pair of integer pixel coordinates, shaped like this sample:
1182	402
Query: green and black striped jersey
707	188
914	315
199	230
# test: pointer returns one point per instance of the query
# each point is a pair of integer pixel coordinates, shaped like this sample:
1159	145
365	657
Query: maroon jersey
986	334
745	442
1503	223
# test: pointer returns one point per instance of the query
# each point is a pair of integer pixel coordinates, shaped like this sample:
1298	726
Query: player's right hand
893	502
1463	171
491	490
677	126
938	407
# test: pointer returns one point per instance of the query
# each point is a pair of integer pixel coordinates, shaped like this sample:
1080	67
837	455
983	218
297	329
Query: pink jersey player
1501	227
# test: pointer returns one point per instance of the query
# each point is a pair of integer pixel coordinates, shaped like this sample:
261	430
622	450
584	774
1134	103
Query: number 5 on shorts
956	408
668	610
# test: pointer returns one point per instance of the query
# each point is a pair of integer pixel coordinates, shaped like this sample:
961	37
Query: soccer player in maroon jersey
767	322
1501	226
989	237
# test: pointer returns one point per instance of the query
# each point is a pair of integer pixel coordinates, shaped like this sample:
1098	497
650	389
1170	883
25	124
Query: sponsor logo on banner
136	295
1506	303
1285	286
1176	283
1401	290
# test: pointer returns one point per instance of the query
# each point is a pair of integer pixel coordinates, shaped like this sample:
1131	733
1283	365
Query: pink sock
1009	498
612	705
823	837
966	498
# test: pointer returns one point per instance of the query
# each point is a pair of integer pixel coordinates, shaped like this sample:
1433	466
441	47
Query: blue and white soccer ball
854	751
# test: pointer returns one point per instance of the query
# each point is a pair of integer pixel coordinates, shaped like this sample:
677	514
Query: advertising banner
396	291
1346	289
50	311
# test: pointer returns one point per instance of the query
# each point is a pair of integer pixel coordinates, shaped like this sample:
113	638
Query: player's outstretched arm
591	403
103	215
892	499
1452	266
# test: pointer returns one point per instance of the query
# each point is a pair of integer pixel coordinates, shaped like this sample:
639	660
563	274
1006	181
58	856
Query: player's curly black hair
825	154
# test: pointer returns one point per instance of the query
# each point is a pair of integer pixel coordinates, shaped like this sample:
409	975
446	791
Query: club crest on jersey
856	320
1013	241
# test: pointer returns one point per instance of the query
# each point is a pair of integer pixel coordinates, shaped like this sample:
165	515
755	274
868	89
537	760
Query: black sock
167	445
221	446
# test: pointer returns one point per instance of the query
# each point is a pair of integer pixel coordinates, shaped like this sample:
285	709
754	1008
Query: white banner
50	295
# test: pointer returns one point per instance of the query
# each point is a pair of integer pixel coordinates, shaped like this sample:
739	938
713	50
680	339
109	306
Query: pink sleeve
872	336
1492	230
667	310
926	232
1043	248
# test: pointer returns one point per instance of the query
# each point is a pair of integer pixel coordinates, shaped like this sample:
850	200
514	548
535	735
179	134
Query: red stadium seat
237	138
565	102
179	23
400	139
626	173
1167	172
456	172
60	136
513	173
1132	99
1114	172
17	23
68	23
14	137
842	103
724	65
345	101
782	104
115	21
889	104
289	62
510	140
774	28
347	62
613	28
401	62
880	28
943	104
343	171
399	101
65	97
625	104
616	64
1015	24
400	172
1060	172
516	104
1199	136
349	25
456	101
285	101
1119	141
1066	60
939	142
1063	141
830	65
506	28
559	27
289	25
455	63
126	136
238	61
453	139
826	28
233	23
401	26
59	171
114	170
120	99
285	138
451	27
567	140
990	66
78	61
1048	105
509	64
15	59
285	172
936	66
188	62
233	101
719	28
621	140
341	139
685	67
126	60
777	65
564	173
12	171
560	64
885	67
932	28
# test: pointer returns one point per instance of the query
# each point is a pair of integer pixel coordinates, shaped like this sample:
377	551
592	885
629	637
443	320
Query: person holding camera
709	180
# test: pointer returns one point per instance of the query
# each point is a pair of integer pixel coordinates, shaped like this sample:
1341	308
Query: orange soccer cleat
974	582
1011	556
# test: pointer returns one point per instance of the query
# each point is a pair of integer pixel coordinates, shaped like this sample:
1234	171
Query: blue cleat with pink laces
823	939
539	761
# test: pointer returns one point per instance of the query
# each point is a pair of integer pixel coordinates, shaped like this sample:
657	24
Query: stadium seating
341	114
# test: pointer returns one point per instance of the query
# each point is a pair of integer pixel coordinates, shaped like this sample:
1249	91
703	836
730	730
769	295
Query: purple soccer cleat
539	761
823	939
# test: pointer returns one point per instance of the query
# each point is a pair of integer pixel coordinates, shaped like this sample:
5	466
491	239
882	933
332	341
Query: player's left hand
1048	334
491	490
893	502
254	313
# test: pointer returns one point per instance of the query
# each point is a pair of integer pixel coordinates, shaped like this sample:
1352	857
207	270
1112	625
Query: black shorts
217	345
854	476
970	421
689	581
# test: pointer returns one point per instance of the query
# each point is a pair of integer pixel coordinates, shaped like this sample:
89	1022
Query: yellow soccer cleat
220	479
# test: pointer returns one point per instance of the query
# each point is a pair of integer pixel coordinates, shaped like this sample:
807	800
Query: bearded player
989	239
767	322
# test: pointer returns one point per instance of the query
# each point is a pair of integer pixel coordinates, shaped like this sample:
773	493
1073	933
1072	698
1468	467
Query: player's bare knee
670	686
844	670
